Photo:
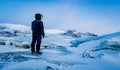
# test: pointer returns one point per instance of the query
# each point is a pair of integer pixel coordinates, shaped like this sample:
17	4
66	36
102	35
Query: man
37	33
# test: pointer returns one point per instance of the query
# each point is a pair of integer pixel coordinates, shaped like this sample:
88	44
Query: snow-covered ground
63	52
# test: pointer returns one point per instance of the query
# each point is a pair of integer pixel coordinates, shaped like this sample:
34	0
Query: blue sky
97	16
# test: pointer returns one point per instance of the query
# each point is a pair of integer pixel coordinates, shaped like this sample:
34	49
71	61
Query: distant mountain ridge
74	33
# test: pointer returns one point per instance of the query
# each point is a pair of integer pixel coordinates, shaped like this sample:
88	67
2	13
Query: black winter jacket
38	27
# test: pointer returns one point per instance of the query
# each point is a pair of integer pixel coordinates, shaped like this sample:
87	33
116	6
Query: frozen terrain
69	50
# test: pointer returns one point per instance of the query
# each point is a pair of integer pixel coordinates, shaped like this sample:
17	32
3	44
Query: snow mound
14	29
19	27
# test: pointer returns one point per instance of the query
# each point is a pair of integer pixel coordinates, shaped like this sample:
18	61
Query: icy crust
32	65
110	44
76	42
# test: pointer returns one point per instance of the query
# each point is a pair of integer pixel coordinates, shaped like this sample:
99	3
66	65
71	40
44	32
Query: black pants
36	41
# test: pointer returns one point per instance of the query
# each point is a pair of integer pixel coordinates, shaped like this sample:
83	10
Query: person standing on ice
37	33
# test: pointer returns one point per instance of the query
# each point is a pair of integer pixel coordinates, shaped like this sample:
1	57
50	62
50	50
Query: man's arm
43	34
32	26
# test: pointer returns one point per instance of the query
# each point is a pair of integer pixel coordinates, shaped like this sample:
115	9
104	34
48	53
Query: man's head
38	16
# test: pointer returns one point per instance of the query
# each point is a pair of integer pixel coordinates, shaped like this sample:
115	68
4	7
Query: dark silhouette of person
37	33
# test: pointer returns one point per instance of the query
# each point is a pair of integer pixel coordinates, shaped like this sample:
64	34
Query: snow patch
53	31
